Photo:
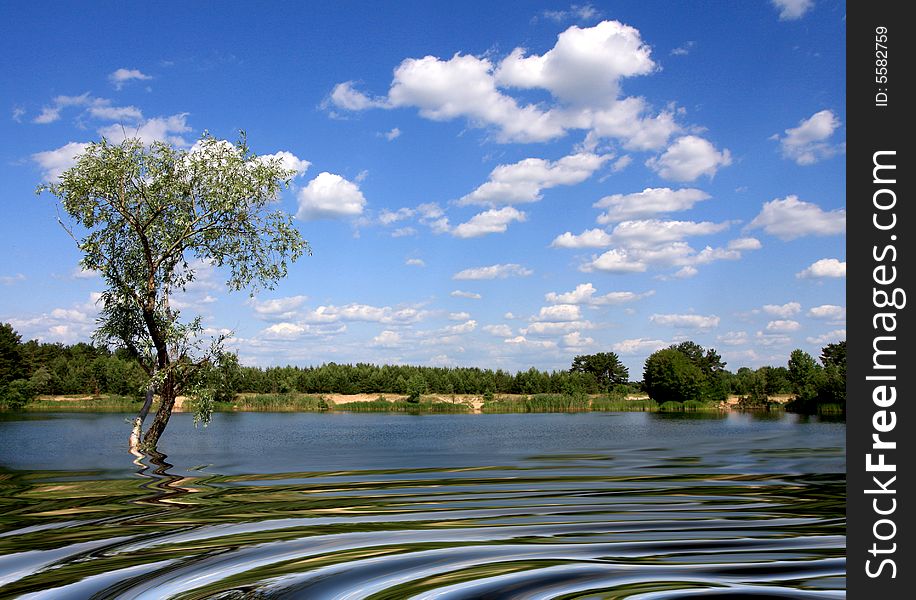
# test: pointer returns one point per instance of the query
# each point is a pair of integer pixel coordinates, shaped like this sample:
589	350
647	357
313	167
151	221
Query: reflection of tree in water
164	486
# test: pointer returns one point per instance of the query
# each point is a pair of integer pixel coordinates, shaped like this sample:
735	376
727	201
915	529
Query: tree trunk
166	402
141	416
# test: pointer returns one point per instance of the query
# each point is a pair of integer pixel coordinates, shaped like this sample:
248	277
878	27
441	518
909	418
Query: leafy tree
605	366
12	363
145	217
804	374
416	387
670	376
832	389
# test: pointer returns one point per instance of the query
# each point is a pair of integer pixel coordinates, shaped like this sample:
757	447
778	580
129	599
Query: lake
315	506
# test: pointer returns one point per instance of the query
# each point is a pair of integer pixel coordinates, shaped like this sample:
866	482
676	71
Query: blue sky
483	184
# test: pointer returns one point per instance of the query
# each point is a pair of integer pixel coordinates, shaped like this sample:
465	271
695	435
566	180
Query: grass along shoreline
432	404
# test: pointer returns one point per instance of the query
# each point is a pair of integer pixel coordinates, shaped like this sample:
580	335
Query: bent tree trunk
141	416
166	403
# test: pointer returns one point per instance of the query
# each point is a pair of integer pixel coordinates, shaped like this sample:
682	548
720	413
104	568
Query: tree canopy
145	217
685	371
605	366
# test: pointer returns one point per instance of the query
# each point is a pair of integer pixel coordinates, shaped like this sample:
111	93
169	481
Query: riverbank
432	403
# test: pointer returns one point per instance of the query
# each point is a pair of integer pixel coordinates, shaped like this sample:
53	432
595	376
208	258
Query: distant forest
682	371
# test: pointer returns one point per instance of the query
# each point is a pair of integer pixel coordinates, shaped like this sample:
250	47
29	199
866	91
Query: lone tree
145	218
605	366
685	371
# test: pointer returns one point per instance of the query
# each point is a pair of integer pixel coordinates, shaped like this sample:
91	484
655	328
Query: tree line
682	372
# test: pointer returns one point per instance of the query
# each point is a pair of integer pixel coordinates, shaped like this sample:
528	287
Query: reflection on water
610	505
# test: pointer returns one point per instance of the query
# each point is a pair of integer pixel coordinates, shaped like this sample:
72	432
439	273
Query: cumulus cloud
810	141
548	328
392	134
791	10
782	310
366	313
91	106
653	232
825	267
585	294
490	221
501	330
791	218
277	308
523	181
415	262
733	338
638	346
330	196
345	96
459	316
499	271
466	327
288	161
837	335
649	202
745	243
582	74
616	261
590	238
577	340
463	294
783	326
122	76
522	341
387	339
158	129
688	158
830	312
559	312
286	331
54	162
686	321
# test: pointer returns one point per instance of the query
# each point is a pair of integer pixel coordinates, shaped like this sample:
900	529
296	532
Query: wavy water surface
629	506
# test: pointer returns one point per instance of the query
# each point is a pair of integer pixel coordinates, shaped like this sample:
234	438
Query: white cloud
746	243
576	340
581	12
783	326
621	163
684	49
54	162
288	161
686	272
686	321
122	76
615	261
392	134
653	232
345	96
501	330
830	312
159	129
733	338
791	10
584	67
462	294
637	346
808	143
387	339
582	73
555	327
403	232
277	308
330	196
825	267
490	221
585	294
11	279
464	86
782	310
649	202
837	335
116	113
286	331
387	217
522	341
791	218
493	272
459	316
590	238
415	262
466	327
688	158
365	312
559	312
523	181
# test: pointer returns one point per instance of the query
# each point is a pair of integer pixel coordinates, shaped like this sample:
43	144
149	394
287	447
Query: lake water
315	506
